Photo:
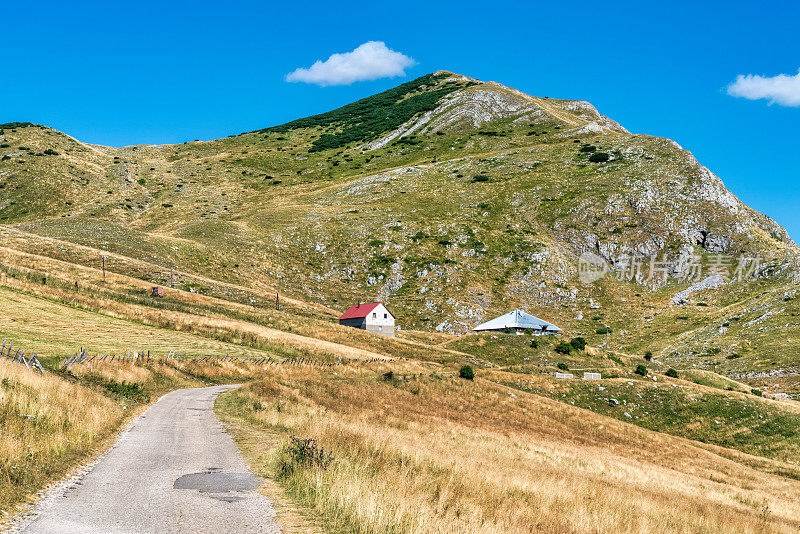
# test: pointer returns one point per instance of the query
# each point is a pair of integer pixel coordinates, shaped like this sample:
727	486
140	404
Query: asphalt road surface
174	470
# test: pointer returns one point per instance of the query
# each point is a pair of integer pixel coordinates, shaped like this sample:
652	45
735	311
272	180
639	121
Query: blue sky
146	72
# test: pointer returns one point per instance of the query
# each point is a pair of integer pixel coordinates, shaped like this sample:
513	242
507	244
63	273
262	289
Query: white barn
518	322
372	317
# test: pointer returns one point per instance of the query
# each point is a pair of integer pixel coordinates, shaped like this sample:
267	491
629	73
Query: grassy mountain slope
452	199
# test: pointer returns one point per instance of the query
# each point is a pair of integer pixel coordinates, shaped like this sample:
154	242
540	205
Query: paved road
175	470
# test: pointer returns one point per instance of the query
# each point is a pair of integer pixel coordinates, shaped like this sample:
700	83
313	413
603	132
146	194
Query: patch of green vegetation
729	420
599	157
466	372
132	391
563	348
370	117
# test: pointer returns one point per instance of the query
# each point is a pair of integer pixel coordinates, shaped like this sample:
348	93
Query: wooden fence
137	357
19	356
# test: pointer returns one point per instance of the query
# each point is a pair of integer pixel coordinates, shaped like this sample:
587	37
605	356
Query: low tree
648	355
672	373
578	343
563	348
641	370
466	372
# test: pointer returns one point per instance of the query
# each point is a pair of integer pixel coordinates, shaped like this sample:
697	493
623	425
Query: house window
385	315
374	315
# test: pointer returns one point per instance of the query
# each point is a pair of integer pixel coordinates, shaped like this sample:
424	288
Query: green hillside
452	199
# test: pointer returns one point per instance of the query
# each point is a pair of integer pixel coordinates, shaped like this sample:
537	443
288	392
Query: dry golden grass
47	424
240	336
314	332
21	247
54	329
447	455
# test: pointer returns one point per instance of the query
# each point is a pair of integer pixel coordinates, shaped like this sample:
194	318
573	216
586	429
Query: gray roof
517	319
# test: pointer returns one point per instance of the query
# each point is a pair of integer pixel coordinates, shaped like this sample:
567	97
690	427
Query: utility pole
104	269
277	306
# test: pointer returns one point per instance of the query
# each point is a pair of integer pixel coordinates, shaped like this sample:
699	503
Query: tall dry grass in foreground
47	423
447	455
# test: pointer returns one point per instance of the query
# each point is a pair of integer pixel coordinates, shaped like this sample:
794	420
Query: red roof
359	310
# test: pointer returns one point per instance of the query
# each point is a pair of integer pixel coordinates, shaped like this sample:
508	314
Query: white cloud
781	89
370	61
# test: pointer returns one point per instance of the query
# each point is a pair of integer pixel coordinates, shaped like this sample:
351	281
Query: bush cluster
599	157
563	348
132	391
641	370
300	453
578	343
466	372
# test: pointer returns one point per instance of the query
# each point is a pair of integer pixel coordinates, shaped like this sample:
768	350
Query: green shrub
141	181
534	343
587	148
388	376
51	152
604	330
648	355
563	348
419	236
599	157
563	366
131	391
672	373
756	392
300	453
733	356
466	372
376	243
641	370
578	343
480	178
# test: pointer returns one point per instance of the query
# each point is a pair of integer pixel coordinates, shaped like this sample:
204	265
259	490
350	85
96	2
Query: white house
518	322
372	317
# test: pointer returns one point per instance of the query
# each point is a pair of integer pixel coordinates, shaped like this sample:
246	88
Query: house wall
380	321
355	323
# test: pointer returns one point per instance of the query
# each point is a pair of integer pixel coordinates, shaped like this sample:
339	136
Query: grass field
441	454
